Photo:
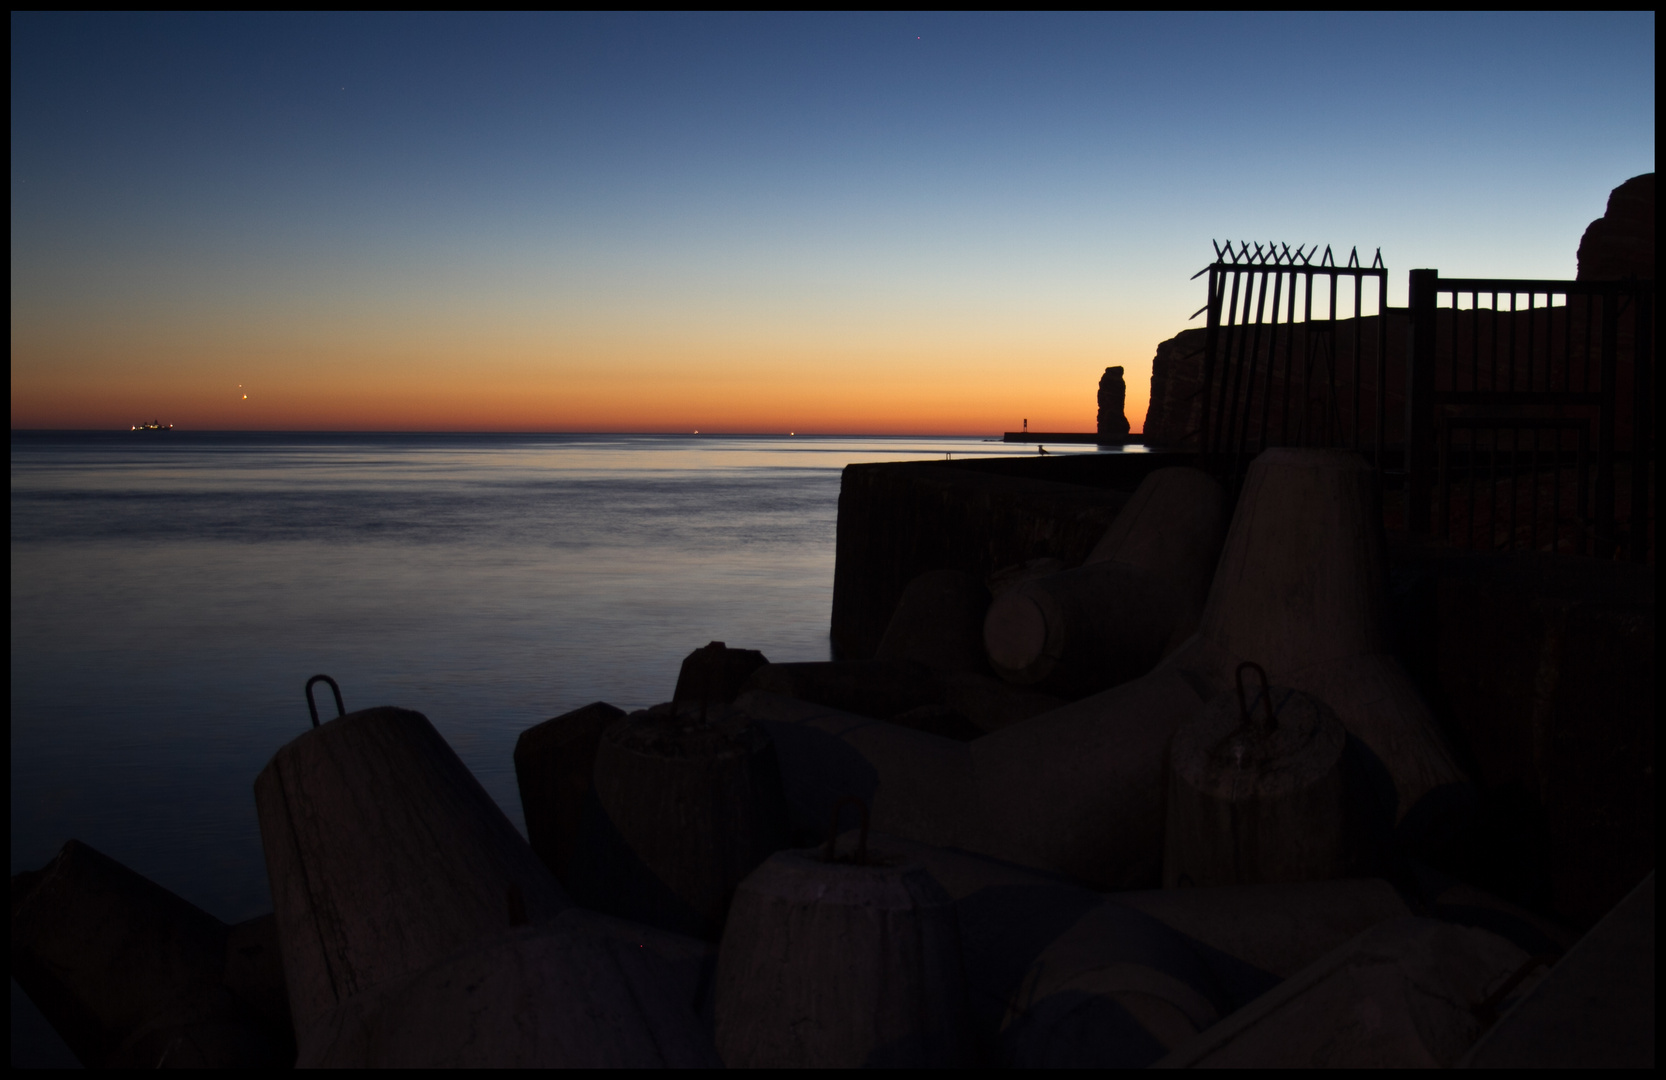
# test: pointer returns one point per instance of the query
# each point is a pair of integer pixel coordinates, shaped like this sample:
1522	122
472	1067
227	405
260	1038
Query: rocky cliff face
1311	382
1620	243
1113	395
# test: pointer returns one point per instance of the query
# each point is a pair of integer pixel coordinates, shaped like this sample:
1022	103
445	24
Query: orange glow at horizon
713	389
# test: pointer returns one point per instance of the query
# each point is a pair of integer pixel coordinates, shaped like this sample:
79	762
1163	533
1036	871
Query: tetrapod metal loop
861	856
1266	695
341	710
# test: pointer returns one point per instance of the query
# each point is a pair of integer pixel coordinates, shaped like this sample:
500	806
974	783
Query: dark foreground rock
553	765
1541	670
132	976
1400	995
1595	1009
579	991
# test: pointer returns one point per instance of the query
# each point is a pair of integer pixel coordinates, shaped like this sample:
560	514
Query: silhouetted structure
1113	395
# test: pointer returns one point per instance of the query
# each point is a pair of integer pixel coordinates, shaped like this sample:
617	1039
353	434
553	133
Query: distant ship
154	425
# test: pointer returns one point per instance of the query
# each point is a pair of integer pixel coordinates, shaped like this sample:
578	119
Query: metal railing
1502	361
1272	373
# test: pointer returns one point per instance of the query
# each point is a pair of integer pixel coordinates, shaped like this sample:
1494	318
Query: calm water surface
171	595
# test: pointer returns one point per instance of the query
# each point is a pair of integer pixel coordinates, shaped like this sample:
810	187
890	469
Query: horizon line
458	431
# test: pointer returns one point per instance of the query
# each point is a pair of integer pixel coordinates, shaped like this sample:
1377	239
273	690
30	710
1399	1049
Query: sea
172	592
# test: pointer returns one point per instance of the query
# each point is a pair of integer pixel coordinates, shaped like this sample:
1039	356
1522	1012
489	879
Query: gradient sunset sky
884	223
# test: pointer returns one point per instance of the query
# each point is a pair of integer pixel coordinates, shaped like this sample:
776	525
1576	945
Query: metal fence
1529	410
1275	372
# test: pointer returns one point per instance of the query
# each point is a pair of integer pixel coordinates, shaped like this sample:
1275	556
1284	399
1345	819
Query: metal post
1642	404
1211	342
1605	424
1420	384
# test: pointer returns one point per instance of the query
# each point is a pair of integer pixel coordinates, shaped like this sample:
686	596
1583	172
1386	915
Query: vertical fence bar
1515	483
1272	353
1359	328
1583	462
1240	425
1420	371
1331	417
1223	376
1307	362
1533	532
1211	339
1377	461
1642	435
1289	360
1492	378
1556	497
1605	423
1532	322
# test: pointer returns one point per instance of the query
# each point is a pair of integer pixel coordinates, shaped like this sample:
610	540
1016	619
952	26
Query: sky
845	223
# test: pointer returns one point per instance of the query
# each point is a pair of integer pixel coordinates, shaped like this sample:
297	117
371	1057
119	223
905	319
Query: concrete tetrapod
1301	589
1077	790
385	854
1403	994
581	991
1136	598
553	765
881	689
1258	792
1593	1009
938	623
965	703
842	963
686	802
1062	976
714	675
132	976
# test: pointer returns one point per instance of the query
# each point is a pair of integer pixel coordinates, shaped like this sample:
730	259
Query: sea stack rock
1619	244
686	802
1113	394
